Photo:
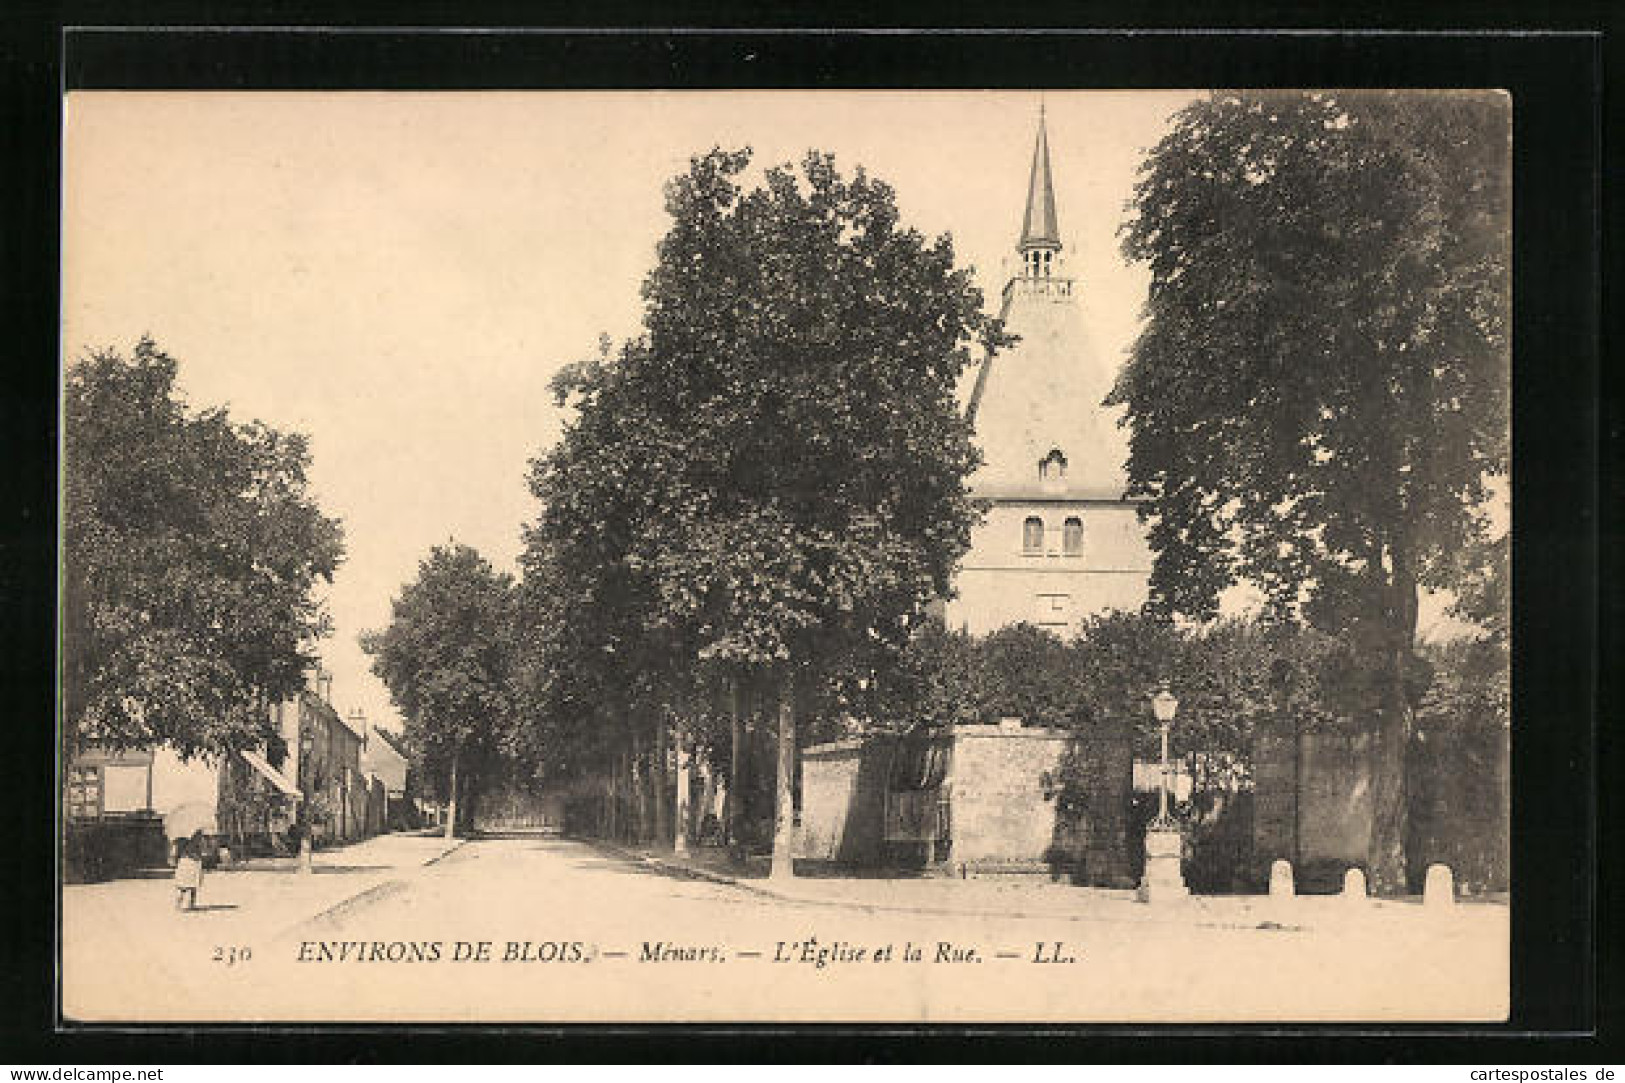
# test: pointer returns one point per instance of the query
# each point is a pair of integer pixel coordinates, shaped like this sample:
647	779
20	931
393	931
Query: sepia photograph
786	556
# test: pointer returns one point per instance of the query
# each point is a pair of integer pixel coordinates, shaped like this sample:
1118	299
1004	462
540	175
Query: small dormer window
1052	467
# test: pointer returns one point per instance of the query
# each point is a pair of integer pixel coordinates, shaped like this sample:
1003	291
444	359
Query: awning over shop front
278	779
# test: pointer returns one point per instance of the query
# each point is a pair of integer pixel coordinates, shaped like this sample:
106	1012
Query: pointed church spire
1038	229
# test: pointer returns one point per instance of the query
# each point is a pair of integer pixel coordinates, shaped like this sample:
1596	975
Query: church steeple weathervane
1040	236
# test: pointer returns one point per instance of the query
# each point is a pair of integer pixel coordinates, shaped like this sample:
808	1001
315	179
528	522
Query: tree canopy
1319	398
777	468
1321	390
448	659
192	550
802	352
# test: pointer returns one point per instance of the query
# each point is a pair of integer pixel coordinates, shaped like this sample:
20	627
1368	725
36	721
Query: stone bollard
1281	886
1439	890
1278	906
1354	886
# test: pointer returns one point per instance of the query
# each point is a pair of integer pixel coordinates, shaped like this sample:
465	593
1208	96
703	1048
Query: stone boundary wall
1021	800
1460	788
843	792
1313	805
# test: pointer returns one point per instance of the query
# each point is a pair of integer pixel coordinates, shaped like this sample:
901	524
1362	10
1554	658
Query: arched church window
1032	535
1072	537
1052	467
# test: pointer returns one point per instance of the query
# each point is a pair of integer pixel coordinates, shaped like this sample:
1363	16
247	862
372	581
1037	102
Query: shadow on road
288	870
519	834
707	863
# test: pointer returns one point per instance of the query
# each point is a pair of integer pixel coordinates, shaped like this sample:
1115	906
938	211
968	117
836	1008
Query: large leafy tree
448	659
778	464
191	554
1319	396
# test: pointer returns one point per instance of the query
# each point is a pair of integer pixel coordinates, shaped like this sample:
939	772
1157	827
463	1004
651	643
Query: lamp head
1164	705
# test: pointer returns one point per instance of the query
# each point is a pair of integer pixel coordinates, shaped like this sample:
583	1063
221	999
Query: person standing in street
189	872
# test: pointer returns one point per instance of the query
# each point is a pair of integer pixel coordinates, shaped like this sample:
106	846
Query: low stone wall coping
1024	733
830	749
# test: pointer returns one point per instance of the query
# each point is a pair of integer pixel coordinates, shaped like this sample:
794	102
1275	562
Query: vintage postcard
785	556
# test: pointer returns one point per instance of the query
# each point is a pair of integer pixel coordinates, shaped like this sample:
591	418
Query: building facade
325	761
252	799
384	757
1059	541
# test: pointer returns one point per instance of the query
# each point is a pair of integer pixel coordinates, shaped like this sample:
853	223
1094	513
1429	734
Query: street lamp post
1164	845
1163	708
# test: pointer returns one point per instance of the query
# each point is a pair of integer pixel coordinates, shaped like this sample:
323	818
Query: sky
398	275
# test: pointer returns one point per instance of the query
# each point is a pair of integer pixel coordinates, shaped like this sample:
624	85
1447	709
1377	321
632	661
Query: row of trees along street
755	502
762	494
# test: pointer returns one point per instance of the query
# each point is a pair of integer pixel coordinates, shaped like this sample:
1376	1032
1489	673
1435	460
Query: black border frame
1559	415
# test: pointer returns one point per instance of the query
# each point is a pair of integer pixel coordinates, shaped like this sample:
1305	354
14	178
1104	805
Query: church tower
1059	541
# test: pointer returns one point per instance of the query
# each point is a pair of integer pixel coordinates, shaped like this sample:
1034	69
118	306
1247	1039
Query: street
549	930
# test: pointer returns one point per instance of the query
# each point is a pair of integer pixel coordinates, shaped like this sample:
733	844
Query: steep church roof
1044	393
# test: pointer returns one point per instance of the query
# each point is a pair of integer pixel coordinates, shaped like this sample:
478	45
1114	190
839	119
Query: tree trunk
681	805
784	819
708	799
451	802
736	759
627	818
1385	857
471	791
610	824
639	785
661	785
